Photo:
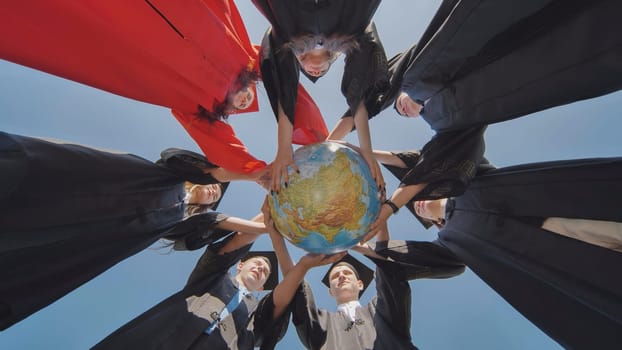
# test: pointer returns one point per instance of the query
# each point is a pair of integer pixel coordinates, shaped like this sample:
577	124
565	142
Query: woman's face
431	210
205	194
315	62
243	99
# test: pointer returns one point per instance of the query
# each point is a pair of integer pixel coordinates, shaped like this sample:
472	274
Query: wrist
393	206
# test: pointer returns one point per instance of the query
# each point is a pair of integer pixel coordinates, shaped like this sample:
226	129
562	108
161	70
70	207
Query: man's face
430	209
253	273
344	285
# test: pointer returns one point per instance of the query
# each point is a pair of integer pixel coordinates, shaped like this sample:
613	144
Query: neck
241	283
346	300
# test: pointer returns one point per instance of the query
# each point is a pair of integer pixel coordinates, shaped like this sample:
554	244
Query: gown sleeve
211	264
421	259
280	73
309	125
366	74
219	143
447	163
393	298
307	318
267	330
197	231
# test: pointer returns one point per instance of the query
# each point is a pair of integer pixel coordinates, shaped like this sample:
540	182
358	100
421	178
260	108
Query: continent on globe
329	206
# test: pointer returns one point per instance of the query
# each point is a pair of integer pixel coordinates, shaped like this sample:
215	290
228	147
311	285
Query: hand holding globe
329	206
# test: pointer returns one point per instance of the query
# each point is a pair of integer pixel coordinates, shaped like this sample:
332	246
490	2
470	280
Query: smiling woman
194	57
62	226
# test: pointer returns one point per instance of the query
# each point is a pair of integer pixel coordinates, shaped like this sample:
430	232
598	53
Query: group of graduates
546	236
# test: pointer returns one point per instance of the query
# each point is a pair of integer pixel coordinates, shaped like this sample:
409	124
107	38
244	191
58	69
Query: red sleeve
218	142
309	126
176	54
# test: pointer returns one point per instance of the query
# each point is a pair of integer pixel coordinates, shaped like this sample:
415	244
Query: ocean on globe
329	206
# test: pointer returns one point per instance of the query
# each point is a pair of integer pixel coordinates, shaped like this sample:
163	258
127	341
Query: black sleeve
197	231
421	259
385	95
211	264
307	318
410	158
280	74
393	298
267	330
366	75
448	163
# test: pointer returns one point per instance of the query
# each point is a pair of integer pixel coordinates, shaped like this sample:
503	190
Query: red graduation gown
176	54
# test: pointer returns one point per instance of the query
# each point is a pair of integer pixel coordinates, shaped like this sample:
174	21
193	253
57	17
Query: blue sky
458	313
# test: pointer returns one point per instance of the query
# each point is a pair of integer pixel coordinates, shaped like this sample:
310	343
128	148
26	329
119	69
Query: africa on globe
329	206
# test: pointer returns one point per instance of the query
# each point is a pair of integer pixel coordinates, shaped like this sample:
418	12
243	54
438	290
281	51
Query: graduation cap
273	278
361	271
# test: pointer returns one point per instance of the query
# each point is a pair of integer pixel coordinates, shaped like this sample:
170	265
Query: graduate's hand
284	158
313	260
380	224
406	107
365	249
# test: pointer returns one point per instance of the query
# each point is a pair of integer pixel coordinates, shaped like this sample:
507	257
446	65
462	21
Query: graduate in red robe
190	56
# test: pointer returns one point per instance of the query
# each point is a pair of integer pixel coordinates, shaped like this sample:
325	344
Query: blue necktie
231	306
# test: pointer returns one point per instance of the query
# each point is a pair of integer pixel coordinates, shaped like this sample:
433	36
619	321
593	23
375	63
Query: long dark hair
220	110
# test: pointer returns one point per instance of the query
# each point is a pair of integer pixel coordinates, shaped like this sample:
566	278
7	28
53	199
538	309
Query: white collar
349	309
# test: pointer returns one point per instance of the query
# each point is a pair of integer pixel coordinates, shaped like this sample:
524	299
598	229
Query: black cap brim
365	274
273	278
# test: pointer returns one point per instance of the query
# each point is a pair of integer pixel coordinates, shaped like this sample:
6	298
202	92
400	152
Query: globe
329	206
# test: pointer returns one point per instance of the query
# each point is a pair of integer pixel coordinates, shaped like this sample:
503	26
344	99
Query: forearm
361	122
389	158
285	291
343	128
403	194
242	225
246	232
282	253
224	175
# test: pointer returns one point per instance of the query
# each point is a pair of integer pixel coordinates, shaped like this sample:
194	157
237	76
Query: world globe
329	206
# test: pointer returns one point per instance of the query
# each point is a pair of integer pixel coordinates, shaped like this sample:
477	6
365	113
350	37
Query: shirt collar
349	308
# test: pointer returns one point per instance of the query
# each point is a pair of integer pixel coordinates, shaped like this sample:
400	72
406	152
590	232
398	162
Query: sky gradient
458	313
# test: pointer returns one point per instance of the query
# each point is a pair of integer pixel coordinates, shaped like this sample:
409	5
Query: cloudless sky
458	313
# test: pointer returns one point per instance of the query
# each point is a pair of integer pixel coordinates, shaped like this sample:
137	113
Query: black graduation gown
179	322
482	62
69	212
365	74
568	288
447	163
384	323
